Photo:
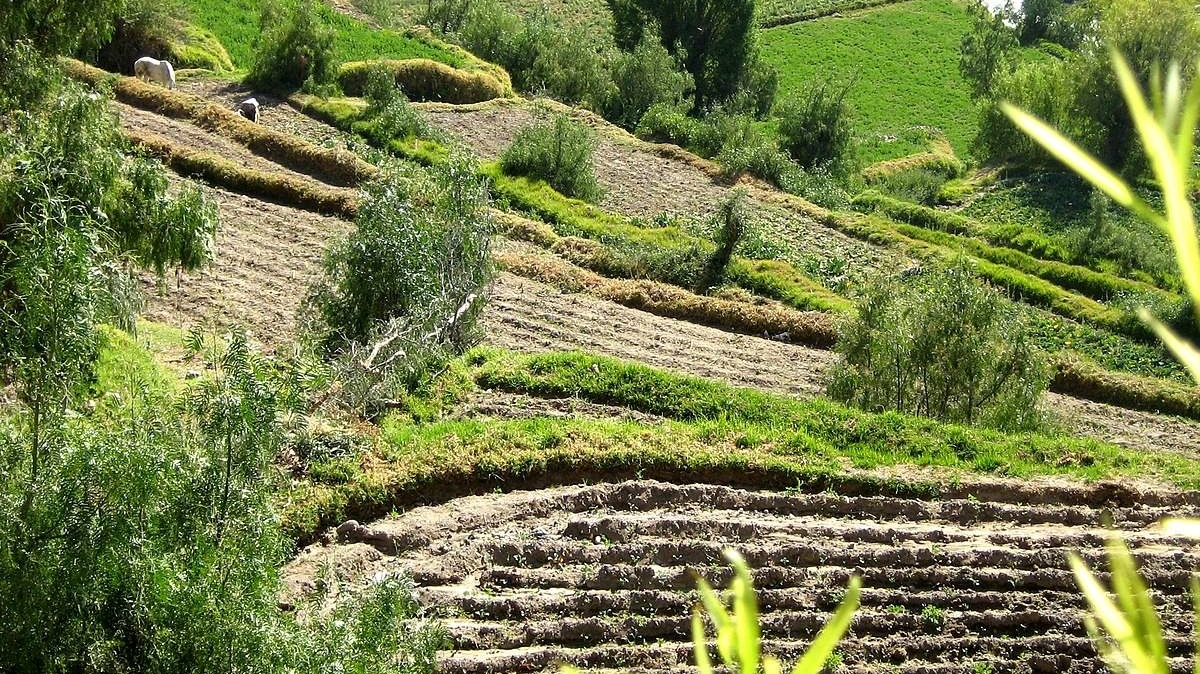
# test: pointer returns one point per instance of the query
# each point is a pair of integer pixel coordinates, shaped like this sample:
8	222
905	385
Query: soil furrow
526	580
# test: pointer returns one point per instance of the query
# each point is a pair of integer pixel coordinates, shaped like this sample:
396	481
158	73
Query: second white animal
249	109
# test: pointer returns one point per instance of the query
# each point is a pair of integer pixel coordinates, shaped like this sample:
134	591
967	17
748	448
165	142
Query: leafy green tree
713	38
1038	18
295	46
401	294
644	77
984	54
1150	33
57	26
817	128
944	346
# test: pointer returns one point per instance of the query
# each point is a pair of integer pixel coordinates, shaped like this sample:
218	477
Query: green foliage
643	78
55	27
236	24
402	292
74	209
160	28
389	115
1049	212
816	128
1045	88
145	541
903	59
941	346
731	218
738	632
713	38
986	51
295	46
559	152
542	57
426	80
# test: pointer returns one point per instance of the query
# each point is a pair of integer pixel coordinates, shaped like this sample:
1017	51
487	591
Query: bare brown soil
601	576
530	317
267	255
274	113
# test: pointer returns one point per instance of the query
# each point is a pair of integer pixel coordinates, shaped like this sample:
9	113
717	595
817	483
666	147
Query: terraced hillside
960	575
268	252
601	576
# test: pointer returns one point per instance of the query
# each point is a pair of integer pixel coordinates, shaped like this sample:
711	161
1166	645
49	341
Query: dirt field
267	255
530	317
601	576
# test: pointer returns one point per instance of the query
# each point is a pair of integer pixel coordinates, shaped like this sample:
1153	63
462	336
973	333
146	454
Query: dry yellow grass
339	167
426	80
272	186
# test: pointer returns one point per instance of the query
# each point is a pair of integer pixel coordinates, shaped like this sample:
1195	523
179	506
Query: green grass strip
712	432
1019	248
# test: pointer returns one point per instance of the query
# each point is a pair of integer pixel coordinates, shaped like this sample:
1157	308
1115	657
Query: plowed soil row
602	576
267	255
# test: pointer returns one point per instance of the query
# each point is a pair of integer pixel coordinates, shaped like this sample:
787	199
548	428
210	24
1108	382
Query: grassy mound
425	80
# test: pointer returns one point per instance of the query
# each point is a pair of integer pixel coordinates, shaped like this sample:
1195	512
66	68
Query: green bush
643	78
295	46
389	116
402	292
942	346
558	152
567	64
143	538
816	128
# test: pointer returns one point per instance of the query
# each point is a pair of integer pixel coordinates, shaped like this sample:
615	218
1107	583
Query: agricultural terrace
903	60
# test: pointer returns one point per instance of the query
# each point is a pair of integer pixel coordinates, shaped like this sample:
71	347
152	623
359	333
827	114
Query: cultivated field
601	576
903	60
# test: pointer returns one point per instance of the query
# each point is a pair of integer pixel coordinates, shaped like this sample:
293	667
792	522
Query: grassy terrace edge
708	431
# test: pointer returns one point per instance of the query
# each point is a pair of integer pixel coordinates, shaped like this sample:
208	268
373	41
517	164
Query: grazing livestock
248	109
147	68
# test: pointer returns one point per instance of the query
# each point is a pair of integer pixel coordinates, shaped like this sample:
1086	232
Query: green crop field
904	60
235	23
593	16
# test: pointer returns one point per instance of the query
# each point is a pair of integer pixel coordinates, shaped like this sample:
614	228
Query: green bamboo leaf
1180	222
771	665
827	640
1181	348
1185	141
1134	599
745	614
700	644
1071	155
721	620
1114	622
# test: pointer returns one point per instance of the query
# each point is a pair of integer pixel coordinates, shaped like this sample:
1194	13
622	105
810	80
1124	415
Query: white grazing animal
147	68
249	109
